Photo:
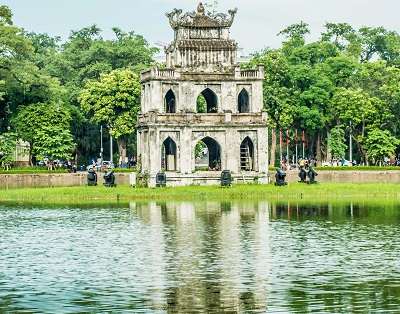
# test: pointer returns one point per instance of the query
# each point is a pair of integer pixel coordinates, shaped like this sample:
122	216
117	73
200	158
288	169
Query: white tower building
202	113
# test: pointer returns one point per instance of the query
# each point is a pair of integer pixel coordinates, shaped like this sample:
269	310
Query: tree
23	81
296	32
336	142
84	57
341	34
373	42
14	50
380	144
46	127
53	142
278	92
114	100
8	143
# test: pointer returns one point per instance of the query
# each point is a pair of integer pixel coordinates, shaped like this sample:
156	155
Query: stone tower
202	113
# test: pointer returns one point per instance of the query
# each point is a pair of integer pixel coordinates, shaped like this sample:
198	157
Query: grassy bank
293	192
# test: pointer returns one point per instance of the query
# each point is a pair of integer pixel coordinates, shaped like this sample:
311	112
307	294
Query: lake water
198	257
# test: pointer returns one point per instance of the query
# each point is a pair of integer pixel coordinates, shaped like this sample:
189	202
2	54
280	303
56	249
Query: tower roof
200	18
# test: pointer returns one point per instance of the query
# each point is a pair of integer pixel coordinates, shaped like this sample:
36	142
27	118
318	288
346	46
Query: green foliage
350	77
201	105
277	87
8	143
380	144
336	142
199	148
46	127
351	105
114	100
295	35
339	33
85	56
53	142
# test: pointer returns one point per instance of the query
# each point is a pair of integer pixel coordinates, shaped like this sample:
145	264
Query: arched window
207	102
243	102
170	102
208	155
168	155
247	155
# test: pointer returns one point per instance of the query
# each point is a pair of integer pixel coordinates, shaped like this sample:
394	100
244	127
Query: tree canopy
114	100
343	85
54	94
39	69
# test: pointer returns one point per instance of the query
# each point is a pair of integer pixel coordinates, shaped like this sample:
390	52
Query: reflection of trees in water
338	296
336	258
226	256
339	212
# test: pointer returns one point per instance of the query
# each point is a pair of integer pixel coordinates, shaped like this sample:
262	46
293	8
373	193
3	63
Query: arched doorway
168	155
243	101
207	102
170	102
247	155
208	155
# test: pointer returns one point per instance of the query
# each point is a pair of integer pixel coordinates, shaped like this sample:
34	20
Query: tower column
186	151
262	154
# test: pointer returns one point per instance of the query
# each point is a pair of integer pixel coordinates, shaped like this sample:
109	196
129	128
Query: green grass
124	170
336	192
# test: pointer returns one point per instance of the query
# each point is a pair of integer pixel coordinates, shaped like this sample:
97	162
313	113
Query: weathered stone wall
52	180
79	179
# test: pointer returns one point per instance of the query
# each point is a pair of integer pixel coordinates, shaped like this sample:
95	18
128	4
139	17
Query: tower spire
200	9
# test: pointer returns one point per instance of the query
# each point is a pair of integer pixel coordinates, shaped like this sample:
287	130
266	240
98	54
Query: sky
256	26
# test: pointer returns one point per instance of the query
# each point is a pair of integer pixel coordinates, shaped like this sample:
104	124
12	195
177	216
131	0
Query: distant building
21	154
202	99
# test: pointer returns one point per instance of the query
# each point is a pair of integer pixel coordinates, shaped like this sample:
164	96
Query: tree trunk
30	155
328	150
122	150
319	161
311	147
32	159
273	147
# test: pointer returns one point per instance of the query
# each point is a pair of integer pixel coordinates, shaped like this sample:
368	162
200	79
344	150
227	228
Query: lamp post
280	147
297	153
287	146
101	143
351	144
111	149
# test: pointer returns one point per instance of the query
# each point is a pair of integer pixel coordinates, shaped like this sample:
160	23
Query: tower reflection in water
207	255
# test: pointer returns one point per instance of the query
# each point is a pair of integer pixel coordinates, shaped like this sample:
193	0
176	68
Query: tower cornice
201	19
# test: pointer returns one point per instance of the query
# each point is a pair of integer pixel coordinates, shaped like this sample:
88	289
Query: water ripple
198	257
